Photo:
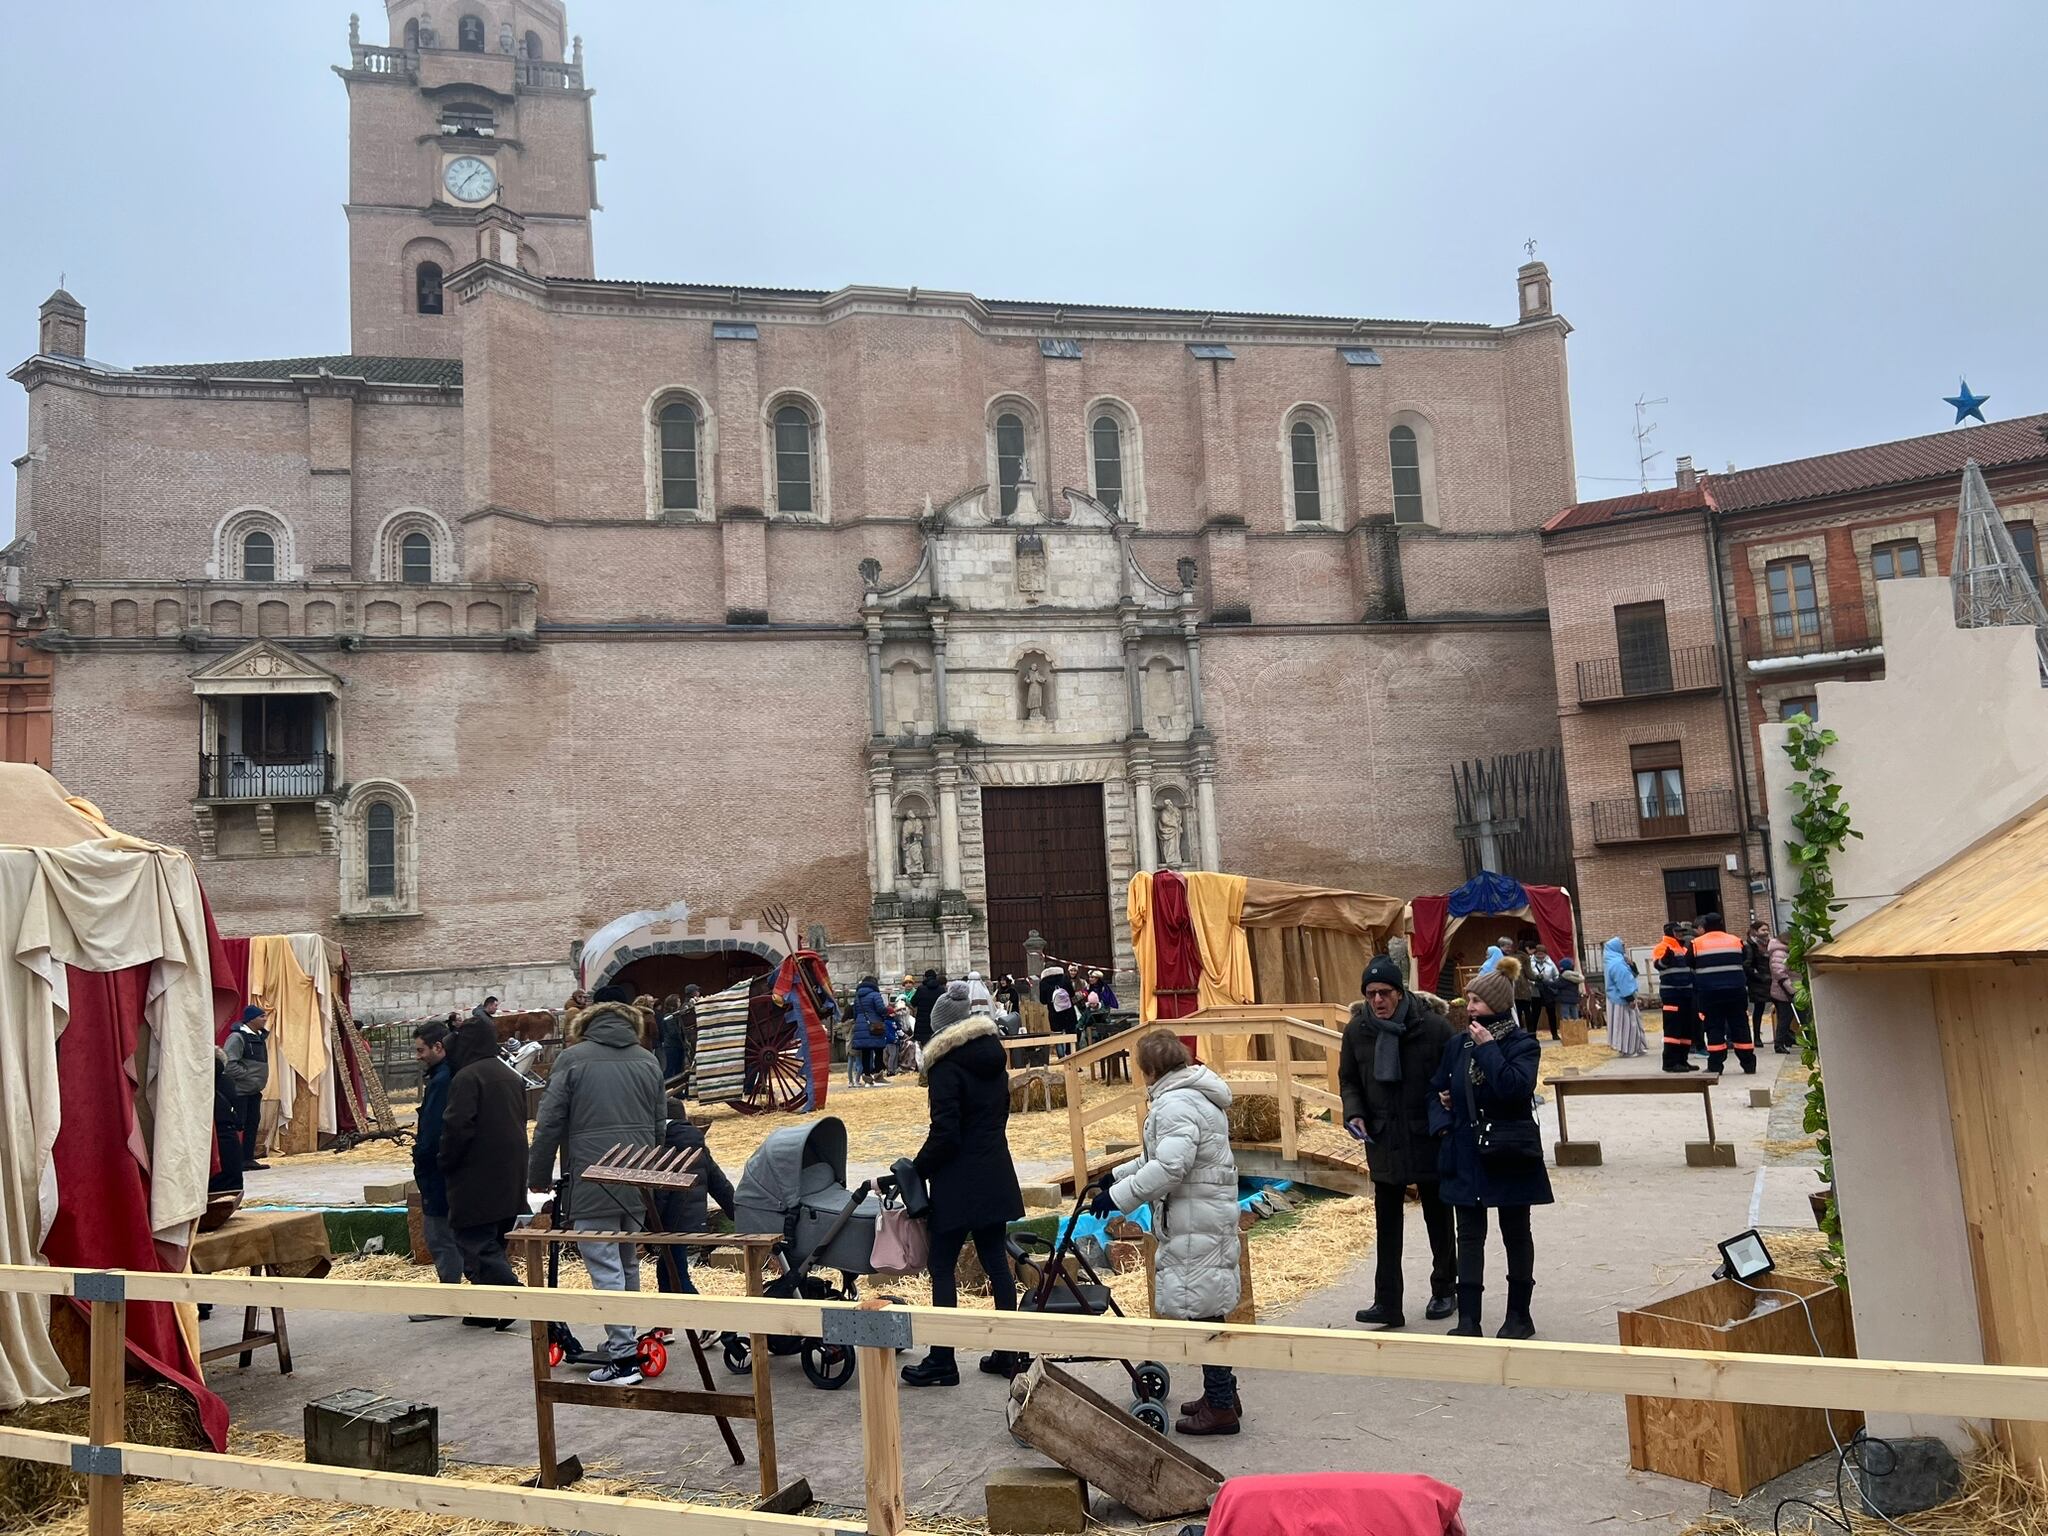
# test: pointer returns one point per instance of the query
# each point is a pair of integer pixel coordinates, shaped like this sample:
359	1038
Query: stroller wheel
653	1356
828	1365
738	1357
1151	1415
1152	1381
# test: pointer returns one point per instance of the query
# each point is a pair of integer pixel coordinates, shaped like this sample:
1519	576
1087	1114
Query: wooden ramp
1313	1166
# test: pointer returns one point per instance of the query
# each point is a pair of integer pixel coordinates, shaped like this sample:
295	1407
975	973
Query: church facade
926	616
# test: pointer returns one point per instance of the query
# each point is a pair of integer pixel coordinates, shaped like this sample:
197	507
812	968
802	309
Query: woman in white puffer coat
1189	1178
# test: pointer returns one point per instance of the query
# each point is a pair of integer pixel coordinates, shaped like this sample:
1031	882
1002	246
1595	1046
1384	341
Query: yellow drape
282	988
1215	905
1138	906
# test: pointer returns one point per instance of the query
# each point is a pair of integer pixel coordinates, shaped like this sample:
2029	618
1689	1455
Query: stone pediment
263	666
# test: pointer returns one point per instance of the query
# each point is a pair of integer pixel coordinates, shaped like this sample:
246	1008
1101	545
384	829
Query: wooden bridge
1283	1051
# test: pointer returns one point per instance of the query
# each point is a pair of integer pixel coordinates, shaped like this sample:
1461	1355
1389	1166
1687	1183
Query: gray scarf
1386	1047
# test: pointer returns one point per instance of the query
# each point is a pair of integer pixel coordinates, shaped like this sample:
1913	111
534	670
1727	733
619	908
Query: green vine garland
1822	825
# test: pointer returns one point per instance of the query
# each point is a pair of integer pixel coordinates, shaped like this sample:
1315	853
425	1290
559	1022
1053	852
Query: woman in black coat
1489	1072
1392	1047
965	1161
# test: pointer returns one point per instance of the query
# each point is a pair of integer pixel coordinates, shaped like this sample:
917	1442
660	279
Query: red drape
103	1189
1551	910
1431	915
1178	966
230	979
1337	1504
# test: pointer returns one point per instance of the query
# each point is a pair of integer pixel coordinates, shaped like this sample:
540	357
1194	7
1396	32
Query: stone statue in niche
871	573
1037	685
1171	829
1186	570
913	847
1030	567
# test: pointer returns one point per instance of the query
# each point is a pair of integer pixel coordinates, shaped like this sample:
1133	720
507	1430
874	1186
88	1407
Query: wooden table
264	1243
1710	1153
757	1404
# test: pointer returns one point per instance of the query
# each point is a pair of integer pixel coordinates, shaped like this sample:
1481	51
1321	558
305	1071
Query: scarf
1386	1044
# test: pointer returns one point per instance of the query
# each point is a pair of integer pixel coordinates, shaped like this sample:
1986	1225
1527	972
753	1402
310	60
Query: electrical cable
1858	1443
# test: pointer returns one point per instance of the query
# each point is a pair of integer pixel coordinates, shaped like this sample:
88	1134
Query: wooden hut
1960	956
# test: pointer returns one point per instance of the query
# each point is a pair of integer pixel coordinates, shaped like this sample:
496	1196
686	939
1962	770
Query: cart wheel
1152	1381
556	1355
828	1365
738	1357
653	1357
1151	1415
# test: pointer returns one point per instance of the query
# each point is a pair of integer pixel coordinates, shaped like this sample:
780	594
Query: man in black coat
965	1161
483	1155
1392	1045
930	989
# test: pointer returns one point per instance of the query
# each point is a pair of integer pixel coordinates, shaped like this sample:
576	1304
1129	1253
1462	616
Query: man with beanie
1392	1044
248	1054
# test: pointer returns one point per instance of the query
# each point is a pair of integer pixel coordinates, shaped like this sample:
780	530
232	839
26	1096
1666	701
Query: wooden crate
1094	1438
1736	1447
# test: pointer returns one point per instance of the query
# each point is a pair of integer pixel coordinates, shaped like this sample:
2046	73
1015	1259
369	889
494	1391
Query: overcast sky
1797	222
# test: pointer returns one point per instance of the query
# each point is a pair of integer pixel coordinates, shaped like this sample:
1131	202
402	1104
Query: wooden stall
1972	938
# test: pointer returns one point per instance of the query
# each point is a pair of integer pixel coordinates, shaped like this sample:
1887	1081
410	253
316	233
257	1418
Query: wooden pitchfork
777	917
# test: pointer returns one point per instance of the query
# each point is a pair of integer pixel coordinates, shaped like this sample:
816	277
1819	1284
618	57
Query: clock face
469	179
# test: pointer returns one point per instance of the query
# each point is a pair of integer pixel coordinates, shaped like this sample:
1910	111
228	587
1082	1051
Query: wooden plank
1283	1078
1319	1099
1122	1104
882	1439
1629	1083
649	1398
38	1445
755	1263
1061	1417
1313	1170
107	1412
455	1499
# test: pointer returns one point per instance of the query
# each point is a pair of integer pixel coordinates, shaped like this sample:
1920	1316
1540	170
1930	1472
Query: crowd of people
887	1032
1713	992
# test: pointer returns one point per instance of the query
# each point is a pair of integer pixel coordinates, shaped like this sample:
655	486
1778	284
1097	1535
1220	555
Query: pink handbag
902	1245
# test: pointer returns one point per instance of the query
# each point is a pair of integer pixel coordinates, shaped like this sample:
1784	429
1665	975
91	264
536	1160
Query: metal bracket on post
96	1460
885	1328
99	1285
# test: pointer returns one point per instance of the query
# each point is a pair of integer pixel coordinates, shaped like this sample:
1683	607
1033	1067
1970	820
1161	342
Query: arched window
1106	442
469	34
678	421
380	851
416	559
533	45
795	485
1405	459
1009	459
1305	458
259	556
427	287
412	35
468	117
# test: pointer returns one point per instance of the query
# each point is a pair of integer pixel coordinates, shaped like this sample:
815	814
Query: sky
1797	224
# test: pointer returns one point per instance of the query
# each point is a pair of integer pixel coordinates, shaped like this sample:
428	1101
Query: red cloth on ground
1430	916
102	1189
1337	1504
1551	910
1177	971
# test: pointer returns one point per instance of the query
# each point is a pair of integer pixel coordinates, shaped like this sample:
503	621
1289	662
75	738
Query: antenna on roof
1644	452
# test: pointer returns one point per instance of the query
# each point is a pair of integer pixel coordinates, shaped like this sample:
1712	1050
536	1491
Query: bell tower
469	104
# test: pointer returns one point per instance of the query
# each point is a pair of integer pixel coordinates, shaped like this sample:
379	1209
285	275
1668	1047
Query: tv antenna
1644	452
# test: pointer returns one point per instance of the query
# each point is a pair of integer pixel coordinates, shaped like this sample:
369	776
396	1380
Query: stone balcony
431	68
466	615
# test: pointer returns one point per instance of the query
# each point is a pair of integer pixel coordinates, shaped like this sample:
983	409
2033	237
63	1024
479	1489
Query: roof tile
432	371
1933	457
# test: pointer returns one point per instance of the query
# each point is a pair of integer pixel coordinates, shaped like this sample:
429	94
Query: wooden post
107	1413
882	1437
1283	1084
764	1399
1078	1130
543	1371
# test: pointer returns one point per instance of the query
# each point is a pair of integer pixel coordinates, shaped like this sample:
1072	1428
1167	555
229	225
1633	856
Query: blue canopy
1487	893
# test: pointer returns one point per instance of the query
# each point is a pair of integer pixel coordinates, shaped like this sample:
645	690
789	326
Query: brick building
1682	620
930	616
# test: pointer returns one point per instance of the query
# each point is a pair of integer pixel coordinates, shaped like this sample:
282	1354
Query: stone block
1028	1501
1759	1098
1044	1197
1710	1154
1578	1154
389	1194
1920	1473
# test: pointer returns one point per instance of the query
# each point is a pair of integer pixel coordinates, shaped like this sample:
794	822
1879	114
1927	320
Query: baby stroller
795	1185
1045	1271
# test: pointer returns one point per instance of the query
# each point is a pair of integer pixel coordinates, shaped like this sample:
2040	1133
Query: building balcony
493	70
1811	636
1656	674
233	776
1700	813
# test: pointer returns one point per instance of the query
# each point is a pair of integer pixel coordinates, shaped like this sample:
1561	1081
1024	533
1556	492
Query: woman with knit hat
1491	1154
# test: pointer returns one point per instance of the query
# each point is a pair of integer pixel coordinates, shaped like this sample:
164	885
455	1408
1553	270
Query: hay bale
1254	1117
1037	1088
34	1491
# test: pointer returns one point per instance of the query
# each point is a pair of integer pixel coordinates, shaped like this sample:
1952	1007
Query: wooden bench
1711	1153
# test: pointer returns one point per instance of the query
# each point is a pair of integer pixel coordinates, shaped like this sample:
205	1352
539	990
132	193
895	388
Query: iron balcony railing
1695	813
1649	674
1811	632
231	776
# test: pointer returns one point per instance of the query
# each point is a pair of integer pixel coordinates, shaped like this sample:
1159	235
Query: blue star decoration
1966	404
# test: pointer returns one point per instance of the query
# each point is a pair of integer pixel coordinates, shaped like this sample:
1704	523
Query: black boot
1380	1315
1006	1362
1468	1312
934	1370
1441	1307
1518	1324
